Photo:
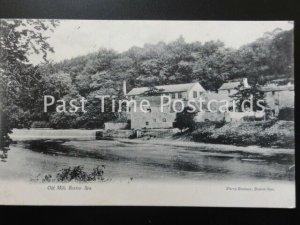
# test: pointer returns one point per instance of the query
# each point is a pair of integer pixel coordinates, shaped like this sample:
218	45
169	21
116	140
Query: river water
121	160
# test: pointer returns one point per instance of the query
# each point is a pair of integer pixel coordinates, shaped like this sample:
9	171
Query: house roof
166	88
274	87
229	85
217	96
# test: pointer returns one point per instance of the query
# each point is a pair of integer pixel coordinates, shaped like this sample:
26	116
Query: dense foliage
185	119
210	63
19	80
286	114
76	173
277	133
249	98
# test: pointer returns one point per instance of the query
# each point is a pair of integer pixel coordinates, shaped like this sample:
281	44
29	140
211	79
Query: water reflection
148	161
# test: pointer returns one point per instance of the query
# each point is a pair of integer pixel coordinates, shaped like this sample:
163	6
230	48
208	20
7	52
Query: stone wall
117	133
237	116
227	116
114	126
211	116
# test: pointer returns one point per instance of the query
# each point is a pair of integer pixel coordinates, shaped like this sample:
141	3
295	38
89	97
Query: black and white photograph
140	112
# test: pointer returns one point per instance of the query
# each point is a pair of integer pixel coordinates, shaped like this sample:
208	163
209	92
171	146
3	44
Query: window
179	95
200	93
228	91
166	100
154	120
164	120
147	123
273	92
194	94
173	95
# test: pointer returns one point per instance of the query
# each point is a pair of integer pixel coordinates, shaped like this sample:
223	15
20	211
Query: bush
128	125
40	124
76	173
202	136
252	118
185	119
262	133
286	113
267	124
62	120
205	130
273	139
220	124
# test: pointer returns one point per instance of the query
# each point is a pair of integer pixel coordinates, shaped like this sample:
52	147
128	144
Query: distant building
225	92
279	96
276	97
229	88
155	118
175	91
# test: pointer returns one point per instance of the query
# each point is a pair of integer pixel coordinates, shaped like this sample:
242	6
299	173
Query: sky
79	37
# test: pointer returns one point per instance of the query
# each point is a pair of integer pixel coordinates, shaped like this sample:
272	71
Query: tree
185	119
214	63
252	94
281	57
153	91
149	72
18	40
95	116
269	57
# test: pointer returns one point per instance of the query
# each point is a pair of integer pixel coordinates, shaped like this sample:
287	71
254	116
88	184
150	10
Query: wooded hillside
102	73
210	63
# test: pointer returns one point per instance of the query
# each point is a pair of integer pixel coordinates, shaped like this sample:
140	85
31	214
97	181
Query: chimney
124	88
245	82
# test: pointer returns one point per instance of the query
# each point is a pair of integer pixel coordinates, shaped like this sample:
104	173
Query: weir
39	134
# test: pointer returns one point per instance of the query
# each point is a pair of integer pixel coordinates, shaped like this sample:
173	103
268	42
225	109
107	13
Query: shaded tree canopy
210	63
251	98
185	119
18	40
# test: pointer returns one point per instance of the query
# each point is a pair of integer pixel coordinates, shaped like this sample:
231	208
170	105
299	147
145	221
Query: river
129	161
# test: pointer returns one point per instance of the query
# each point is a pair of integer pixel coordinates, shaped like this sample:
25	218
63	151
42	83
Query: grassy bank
262	133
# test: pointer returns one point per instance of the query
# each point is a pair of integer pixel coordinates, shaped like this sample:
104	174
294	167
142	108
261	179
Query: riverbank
275	134
266	134
272	133
208	147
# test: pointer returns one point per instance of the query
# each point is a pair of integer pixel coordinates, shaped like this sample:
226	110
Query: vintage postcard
147	113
